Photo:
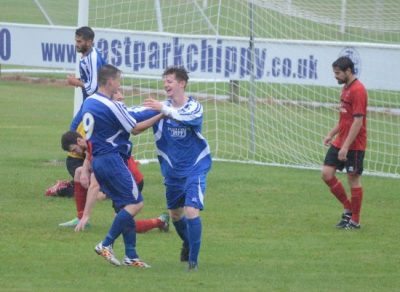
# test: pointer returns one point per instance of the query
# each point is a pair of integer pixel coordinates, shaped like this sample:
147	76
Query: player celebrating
108	126
348	148
185	160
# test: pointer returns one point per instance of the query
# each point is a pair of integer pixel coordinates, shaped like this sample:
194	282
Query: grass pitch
265	229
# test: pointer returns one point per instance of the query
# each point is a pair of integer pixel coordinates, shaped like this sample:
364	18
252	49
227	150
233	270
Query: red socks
147	224
356	200
339	192
80	198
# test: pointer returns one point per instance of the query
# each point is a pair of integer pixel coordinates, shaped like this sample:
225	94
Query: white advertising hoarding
205	57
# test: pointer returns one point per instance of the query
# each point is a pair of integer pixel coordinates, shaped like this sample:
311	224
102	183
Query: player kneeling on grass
85	187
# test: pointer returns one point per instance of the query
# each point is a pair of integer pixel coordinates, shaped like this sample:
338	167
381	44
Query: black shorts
353	164
72	164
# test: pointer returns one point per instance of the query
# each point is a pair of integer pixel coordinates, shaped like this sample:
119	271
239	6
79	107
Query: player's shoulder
99	55
94	52
97	100
92	99
95	55
193	105
359	88
358	85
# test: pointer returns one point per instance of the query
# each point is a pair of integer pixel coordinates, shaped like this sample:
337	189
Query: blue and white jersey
107	125
89	66
181	148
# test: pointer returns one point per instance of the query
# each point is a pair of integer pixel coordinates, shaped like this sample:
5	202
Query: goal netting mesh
251	119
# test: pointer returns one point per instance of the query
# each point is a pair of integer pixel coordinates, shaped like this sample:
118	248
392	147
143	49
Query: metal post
289	5
252	87
83	20
343	17
159	15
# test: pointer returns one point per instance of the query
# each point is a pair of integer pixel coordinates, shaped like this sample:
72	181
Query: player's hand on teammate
153	103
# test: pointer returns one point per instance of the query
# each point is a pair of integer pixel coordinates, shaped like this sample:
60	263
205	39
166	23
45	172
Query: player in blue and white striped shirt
108	126
89	65
185	159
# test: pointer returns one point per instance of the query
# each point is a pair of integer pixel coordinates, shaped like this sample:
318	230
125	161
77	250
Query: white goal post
261	69
83	20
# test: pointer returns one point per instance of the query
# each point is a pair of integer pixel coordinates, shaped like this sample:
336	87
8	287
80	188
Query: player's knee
354	180
134	209
327	174
101	196
191	212
176	214
77	175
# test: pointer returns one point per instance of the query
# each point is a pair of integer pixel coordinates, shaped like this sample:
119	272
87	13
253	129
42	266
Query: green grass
21	11
265	228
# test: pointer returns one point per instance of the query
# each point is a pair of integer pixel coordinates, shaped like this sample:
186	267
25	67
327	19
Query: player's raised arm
190	115
142	126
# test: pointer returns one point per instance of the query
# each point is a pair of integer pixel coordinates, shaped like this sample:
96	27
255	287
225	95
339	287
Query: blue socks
194	228
129	235
181	229
123	223
189	230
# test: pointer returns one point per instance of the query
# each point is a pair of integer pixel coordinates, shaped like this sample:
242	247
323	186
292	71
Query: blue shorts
116	180
188	191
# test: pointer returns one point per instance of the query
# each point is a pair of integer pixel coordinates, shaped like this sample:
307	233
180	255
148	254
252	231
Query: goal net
257	71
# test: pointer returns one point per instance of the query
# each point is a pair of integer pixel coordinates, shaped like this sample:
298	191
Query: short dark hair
106	72
180	73
85	32
69	138
344	63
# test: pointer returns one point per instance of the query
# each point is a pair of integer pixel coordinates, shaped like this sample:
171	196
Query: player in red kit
348	141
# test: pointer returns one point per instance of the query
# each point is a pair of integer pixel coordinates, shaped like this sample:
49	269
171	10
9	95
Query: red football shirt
353	102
